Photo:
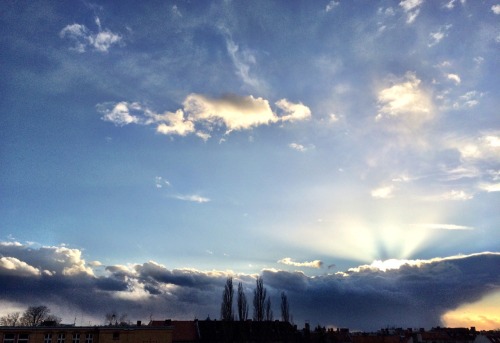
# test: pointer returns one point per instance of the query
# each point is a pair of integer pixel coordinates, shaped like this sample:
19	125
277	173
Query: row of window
61	338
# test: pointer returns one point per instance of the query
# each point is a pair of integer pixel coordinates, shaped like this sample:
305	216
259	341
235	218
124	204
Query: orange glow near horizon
483	315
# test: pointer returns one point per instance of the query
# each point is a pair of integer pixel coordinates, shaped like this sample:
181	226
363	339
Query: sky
346	151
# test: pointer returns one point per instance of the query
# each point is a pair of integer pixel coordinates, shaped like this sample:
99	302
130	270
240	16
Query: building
87	334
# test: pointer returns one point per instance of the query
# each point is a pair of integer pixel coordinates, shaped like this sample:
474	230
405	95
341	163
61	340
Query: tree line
33	316
262	310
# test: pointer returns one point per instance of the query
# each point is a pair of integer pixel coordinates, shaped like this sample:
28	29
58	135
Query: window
8	338
47	338
23	338
61	338
89	338
116	336
76	338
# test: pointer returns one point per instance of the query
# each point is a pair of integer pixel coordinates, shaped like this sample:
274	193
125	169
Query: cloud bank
398	292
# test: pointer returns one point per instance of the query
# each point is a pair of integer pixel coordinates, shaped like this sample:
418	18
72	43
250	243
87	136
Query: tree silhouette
285	308
259	299
242	304
226	308
268	310
11	319
36	315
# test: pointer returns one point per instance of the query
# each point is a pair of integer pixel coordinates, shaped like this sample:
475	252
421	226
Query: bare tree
268	310
11	319
226	308
35	315
242	304
285	308
259	299
114	318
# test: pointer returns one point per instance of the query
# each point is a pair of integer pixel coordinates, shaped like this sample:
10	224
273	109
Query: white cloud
160	182
406	100
455	78
490	187
12	265
102	41
437	36
496	9
235	112
333	118
312	264
231	112
468	100
57	260
120	113
293	112
409	5
243	59
484	147
444	227
83	38
454	195
174	123
331	5
411	8
193	198
298	147
450	5
384	192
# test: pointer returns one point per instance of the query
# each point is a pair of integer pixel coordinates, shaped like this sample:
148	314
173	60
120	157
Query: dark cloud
416	294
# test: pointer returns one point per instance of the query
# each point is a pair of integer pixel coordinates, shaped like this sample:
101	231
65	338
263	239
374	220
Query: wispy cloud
243	60
83	38
312	264
436	37
331	5
192	197
444	227
411	8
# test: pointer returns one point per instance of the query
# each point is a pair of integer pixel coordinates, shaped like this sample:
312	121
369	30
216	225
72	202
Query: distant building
488	337
86	334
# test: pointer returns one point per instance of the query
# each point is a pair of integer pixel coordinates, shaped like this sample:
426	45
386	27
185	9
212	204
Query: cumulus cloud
496	9
312	264
11	265
82	37
58	260
389	289
406	101
235	112
202	114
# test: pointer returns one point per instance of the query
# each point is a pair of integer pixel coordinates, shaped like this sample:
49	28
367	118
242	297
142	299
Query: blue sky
247	138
